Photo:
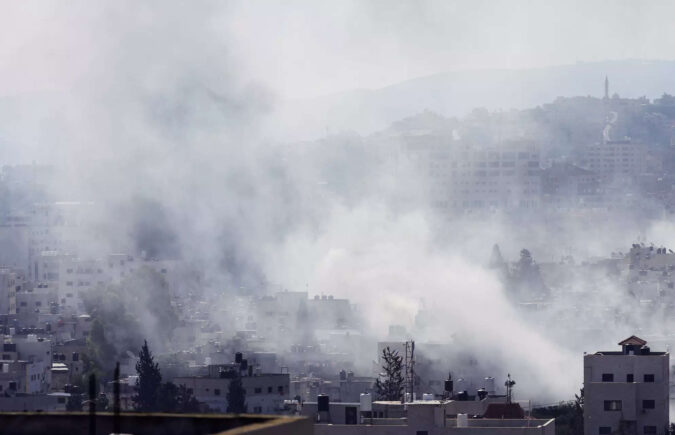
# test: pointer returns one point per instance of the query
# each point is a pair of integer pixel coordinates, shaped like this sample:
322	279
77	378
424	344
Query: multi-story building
11	282
620	160
19	376
626	391
464	179
566	186
265	392
66	276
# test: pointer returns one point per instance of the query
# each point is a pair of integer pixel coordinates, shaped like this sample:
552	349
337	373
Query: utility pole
509	387
410	369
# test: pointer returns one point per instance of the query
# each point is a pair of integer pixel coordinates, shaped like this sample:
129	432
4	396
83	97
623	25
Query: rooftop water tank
366	401
427	396
489	385
462	420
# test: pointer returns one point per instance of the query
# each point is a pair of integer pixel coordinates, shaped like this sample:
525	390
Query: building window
649	378
612	405
649	430
608	377
630	378
257	390
257	409
604	430
216	391
648	404
269	389
281	390
61	400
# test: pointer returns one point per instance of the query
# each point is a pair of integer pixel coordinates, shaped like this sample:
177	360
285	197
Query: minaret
606	88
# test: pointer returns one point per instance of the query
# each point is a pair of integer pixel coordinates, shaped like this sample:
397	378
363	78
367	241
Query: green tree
102	402
74	402
569	416
236	395
392	386
148	382
99	354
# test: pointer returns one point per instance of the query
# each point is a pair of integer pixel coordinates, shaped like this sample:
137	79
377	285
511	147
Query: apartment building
615	160
265	392
472	178
626	391
11	282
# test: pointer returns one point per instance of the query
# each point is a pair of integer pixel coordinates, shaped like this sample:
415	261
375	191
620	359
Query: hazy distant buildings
566	186
626	391
465	179
649	273
11	282
615	161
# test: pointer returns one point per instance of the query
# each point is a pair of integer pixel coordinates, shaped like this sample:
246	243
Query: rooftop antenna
92	404
116	400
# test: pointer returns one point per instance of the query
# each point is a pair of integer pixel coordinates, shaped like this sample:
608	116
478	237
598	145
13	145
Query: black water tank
243	364
343	375
448	385
482	394
644	350
323	403
237	357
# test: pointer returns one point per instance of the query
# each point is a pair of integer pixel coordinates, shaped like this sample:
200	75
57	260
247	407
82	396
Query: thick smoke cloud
148	112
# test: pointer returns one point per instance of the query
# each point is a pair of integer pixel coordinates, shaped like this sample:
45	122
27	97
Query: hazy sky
307	48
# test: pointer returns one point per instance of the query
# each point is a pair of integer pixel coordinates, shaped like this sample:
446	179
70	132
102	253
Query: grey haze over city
317	180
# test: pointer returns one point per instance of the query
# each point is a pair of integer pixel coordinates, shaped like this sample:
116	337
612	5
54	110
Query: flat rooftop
614	352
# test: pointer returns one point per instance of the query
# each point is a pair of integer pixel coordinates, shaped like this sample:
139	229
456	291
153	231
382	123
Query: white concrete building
626	390
265	392
425	417
11	282
615	160
465	178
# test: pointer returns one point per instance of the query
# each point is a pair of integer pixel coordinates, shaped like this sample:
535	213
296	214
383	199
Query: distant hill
457	93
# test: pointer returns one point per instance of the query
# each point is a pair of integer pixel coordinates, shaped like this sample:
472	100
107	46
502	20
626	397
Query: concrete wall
153	424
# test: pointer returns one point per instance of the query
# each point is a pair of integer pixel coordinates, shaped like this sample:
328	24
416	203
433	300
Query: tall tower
606	88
